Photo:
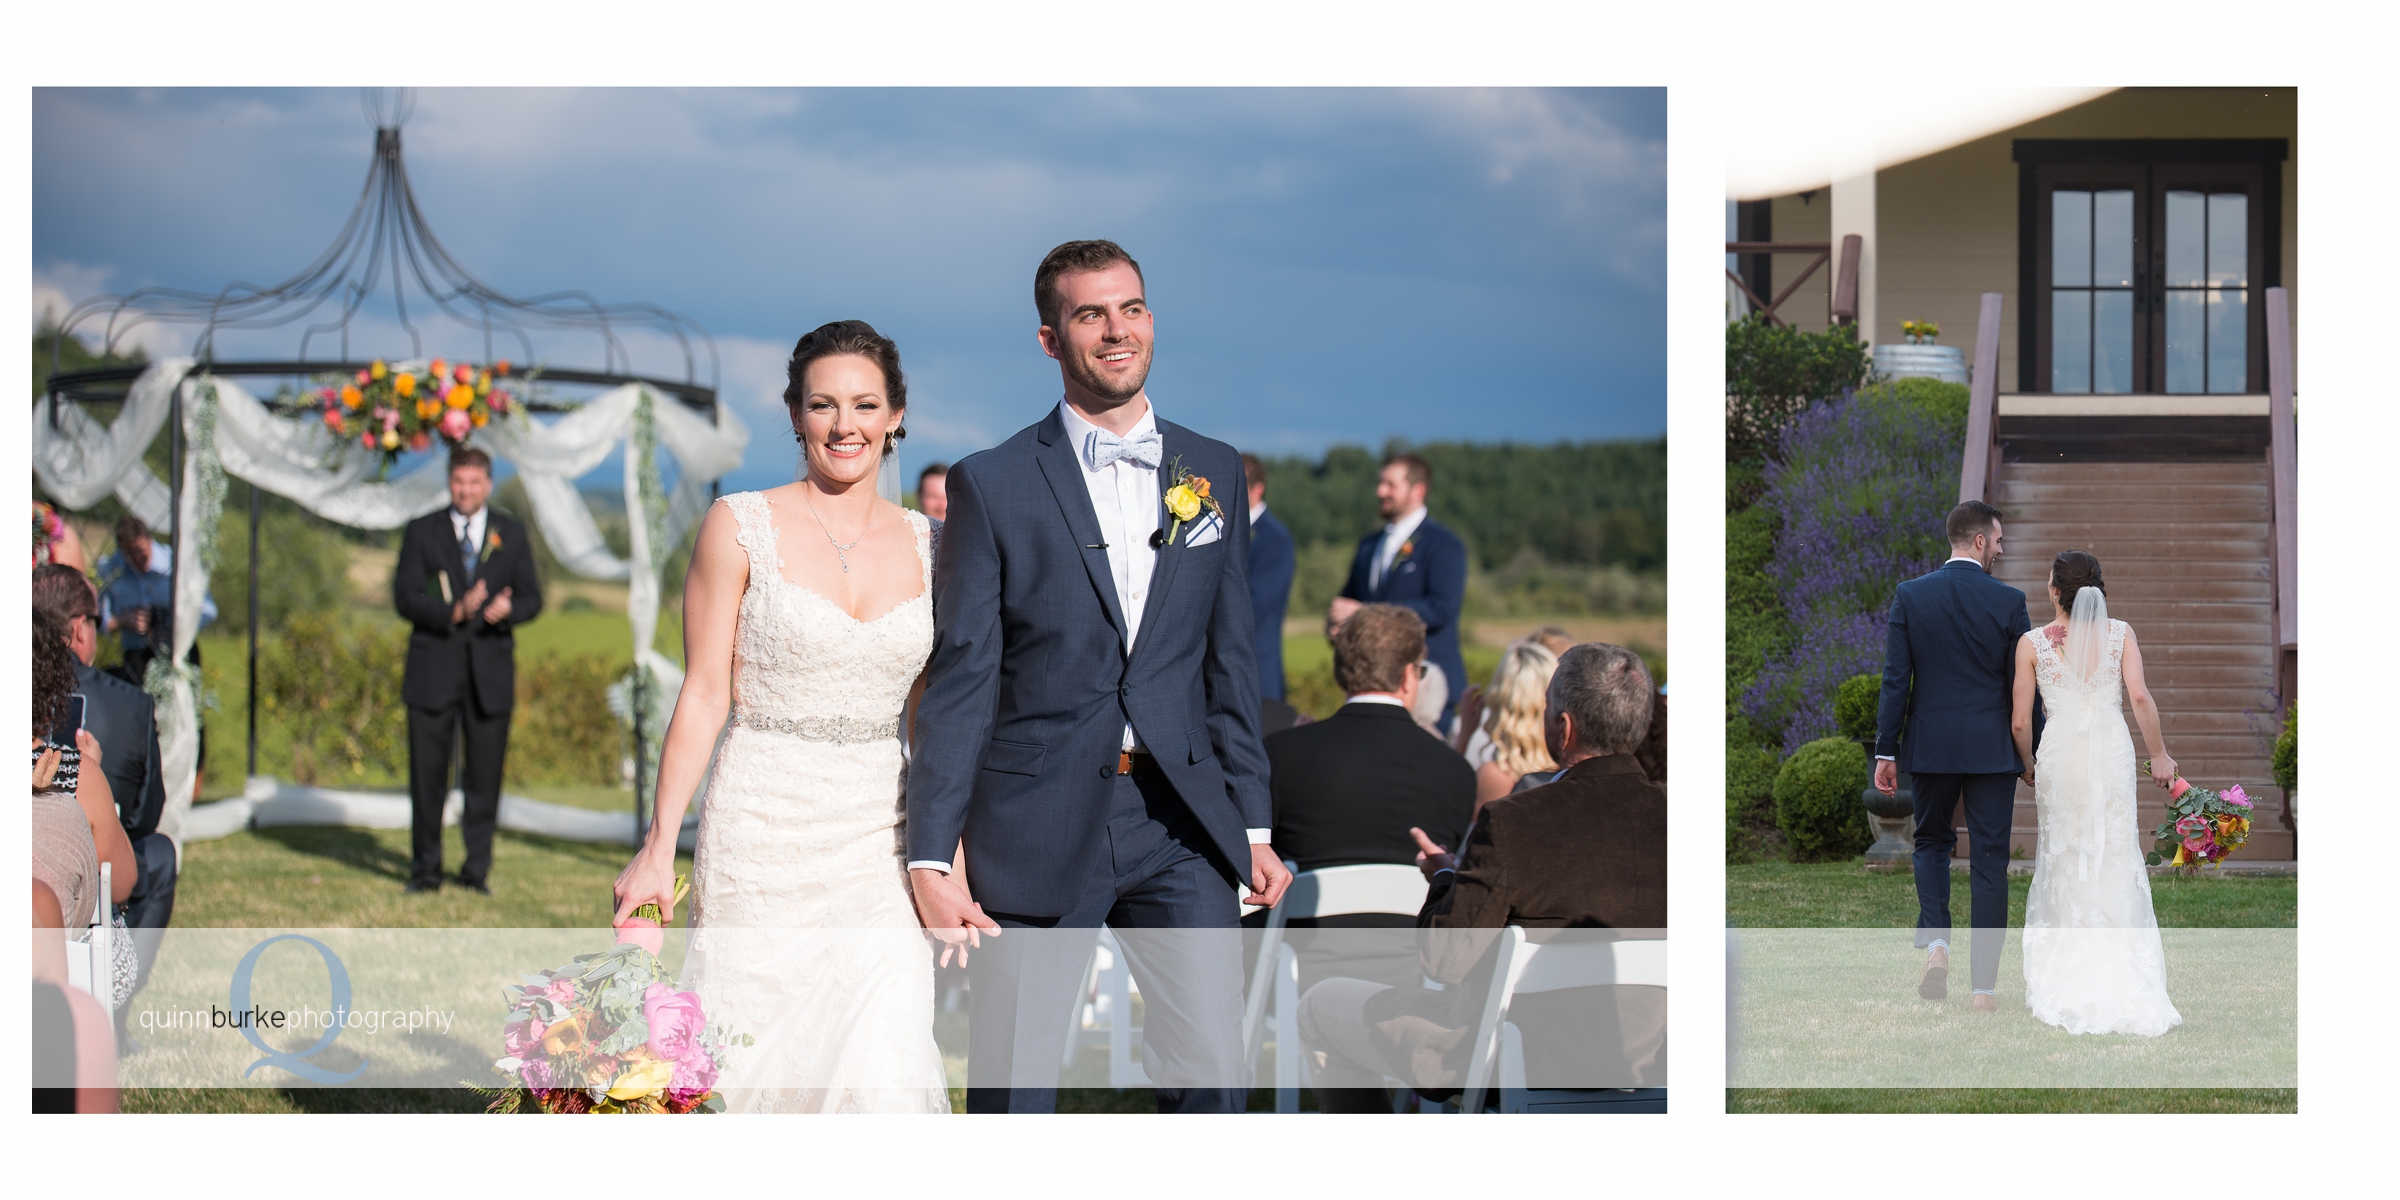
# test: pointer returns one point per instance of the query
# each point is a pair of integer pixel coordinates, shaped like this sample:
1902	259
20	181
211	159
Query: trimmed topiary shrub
2286	754
1749	799
1854	706
1816	801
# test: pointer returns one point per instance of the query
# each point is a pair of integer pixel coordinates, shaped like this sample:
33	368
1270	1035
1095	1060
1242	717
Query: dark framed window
2141	263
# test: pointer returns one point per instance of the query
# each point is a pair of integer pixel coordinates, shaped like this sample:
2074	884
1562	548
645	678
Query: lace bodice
797	654
2061	689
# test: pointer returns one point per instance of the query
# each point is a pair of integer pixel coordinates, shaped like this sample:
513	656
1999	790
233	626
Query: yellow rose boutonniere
1187	494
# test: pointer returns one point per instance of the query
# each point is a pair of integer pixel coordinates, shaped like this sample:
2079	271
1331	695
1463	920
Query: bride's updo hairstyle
2072	571
847	337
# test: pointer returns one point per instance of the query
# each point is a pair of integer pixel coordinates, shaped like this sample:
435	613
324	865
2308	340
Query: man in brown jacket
1587	852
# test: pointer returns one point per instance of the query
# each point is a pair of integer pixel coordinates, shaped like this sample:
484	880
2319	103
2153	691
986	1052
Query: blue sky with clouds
1328	266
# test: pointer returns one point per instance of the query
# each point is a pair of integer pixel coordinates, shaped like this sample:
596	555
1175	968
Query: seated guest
933	491
1275	716
137	597
121	715
1512	722
1348	789
1653	754
75	826
1586	852
74	1067
1470	738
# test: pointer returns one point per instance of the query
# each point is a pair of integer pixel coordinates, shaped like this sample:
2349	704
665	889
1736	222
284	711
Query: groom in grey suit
1089	727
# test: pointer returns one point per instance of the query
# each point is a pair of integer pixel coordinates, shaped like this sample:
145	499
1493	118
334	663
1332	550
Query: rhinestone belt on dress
841	731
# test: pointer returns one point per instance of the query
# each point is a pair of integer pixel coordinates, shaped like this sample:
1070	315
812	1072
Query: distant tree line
1573	503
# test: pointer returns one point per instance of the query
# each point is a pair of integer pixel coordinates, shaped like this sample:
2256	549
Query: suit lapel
1064	472
1162	569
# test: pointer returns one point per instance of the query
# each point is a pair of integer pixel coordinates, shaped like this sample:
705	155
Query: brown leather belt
1127	760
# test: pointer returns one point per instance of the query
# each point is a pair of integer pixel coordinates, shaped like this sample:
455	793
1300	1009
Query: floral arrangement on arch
2202	825
391	409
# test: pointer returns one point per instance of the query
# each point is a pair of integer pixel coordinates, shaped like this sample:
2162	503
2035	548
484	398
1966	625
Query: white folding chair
92	962
1325	892
1525	966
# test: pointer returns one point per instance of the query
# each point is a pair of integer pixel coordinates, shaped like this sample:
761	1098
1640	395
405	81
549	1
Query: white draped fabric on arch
80	461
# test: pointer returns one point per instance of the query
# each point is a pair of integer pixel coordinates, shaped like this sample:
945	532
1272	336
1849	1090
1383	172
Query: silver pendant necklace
840	551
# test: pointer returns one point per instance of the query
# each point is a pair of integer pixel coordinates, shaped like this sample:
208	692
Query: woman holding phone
75	825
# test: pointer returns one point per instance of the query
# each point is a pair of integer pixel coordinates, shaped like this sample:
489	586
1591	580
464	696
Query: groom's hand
1887	777
1268	879
948	914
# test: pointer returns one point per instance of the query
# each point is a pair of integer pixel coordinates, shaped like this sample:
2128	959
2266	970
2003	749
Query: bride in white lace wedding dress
803	647
2093	963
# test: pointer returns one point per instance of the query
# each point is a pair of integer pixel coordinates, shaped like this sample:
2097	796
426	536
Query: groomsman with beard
1416	563
465	581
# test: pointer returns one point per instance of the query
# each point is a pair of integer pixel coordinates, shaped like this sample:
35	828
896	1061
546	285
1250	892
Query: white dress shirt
1126	498
1257	511
1395	535
1945	562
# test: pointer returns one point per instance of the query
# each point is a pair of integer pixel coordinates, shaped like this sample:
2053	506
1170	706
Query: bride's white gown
804	933
2092	957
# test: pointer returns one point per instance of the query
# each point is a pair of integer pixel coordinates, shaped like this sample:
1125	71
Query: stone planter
1921	361
1895	845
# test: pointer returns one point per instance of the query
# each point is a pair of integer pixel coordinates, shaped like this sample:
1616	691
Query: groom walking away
466	581
1953	635
1416	563
1089	725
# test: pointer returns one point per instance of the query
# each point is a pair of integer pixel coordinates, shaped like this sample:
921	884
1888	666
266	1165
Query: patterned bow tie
1101	448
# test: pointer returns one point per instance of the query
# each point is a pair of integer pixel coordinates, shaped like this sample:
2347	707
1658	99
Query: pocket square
1205	530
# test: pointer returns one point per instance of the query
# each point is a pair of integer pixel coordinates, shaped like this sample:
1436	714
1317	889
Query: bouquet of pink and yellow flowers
609	1033
2202	826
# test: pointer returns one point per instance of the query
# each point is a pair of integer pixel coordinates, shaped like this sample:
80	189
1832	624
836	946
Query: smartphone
64	733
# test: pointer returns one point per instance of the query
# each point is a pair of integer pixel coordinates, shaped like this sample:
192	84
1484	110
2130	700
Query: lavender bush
1860	488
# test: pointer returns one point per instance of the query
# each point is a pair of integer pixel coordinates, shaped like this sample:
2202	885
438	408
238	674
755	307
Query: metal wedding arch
387	254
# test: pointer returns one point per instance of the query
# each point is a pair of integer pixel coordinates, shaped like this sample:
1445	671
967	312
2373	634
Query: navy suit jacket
1430	580
1030	687
1272	564
123	719
1953	634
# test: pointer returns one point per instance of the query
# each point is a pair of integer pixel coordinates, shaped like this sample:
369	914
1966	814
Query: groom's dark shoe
1936	983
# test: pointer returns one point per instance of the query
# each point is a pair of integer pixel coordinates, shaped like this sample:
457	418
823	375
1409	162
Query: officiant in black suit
1416	563
466	580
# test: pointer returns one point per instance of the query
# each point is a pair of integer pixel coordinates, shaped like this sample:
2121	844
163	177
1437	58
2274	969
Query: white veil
2087	633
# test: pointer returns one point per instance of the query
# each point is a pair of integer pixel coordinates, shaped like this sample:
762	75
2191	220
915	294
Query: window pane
2187	236
2229	240
2071	238
2184	343
2112	239
2228	341
2070	341
2112	342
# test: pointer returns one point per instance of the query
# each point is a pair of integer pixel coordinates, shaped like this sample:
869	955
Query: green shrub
1749	799
2287	751
1854	706
562	731
1772	372
333	685
1754	618
1940	399
1816	801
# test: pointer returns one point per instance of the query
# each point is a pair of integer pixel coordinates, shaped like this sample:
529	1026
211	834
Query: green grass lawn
1844	895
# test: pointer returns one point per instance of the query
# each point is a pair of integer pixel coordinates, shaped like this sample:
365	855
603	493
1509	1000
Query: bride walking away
808	616
2093	963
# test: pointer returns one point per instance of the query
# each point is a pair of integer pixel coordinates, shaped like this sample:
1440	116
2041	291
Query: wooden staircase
2186	549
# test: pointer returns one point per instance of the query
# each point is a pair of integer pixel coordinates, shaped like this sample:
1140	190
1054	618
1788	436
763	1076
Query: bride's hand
949	915
646	880
2162	770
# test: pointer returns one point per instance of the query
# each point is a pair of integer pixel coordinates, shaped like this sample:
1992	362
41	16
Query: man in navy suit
1089	727
1415	563
1953	635
1272	563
